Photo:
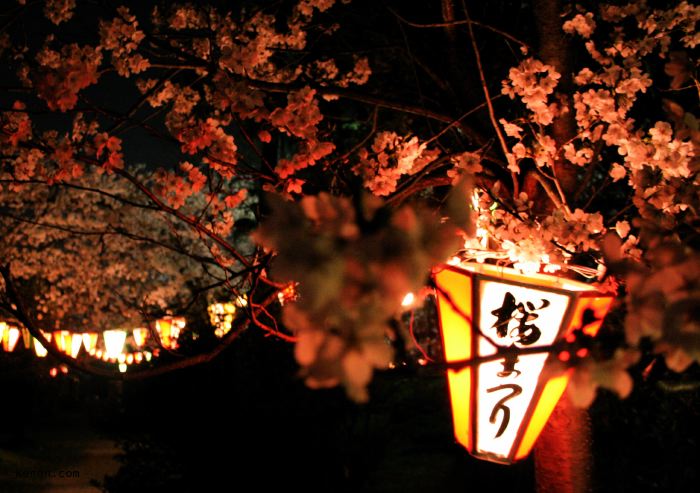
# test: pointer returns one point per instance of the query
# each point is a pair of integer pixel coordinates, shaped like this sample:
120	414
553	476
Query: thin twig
487	95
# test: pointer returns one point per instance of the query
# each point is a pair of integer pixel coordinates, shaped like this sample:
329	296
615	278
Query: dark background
246	423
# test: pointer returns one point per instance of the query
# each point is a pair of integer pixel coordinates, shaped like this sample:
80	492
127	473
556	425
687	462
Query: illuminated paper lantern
26	338
169	329
499	407
75	345
63	339
10	336
39	349
140	336
89	341
114	343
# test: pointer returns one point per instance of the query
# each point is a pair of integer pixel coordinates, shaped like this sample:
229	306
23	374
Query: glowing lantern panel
169	329
39	349
63	340
114	343
140	336
10	336
75	345
89	341
26	338
499	407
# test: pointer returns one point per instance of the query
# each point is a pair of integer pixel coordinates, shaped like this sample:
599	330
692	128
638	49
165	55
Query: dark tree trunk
562	453
554	50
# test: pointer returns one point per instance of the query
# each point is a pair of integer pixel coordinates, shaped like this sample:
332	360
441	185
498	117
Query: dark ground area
246	420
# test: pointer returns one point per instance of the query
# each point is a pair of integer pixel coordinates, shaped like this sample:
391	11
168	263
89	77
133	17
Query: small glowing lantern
39	349
168	329
75	345
140	336
499	407
221	317
89	341
114	343
63	340
26	338
10	336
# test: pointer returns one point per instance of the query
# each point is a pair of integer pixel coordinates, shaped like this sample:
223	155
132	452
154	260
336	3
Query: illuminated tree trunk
563	451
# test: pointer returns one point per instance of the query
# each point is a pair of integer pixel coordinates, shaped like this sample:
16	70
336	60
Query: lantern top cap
514	275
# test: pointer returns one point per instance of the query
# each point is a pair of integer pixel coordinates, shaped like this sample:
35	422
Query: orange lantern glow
63	340
39	348
500	406
26	338
10	336
140	336
169	329
89	341
75	344
114	343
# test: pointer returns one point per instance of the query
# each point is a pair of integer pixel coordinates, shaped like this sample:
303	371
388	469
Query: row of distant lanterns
112	349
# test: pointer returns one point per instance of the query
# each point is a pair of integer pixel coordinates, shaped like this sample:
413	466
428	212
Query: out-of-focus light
408	299
169	329
89	341
221	316
39	349
114	342
10	336
140	336
75	345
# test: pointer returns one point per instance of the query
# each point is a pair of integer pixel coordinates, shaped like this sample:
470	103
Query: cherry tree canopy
151	156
